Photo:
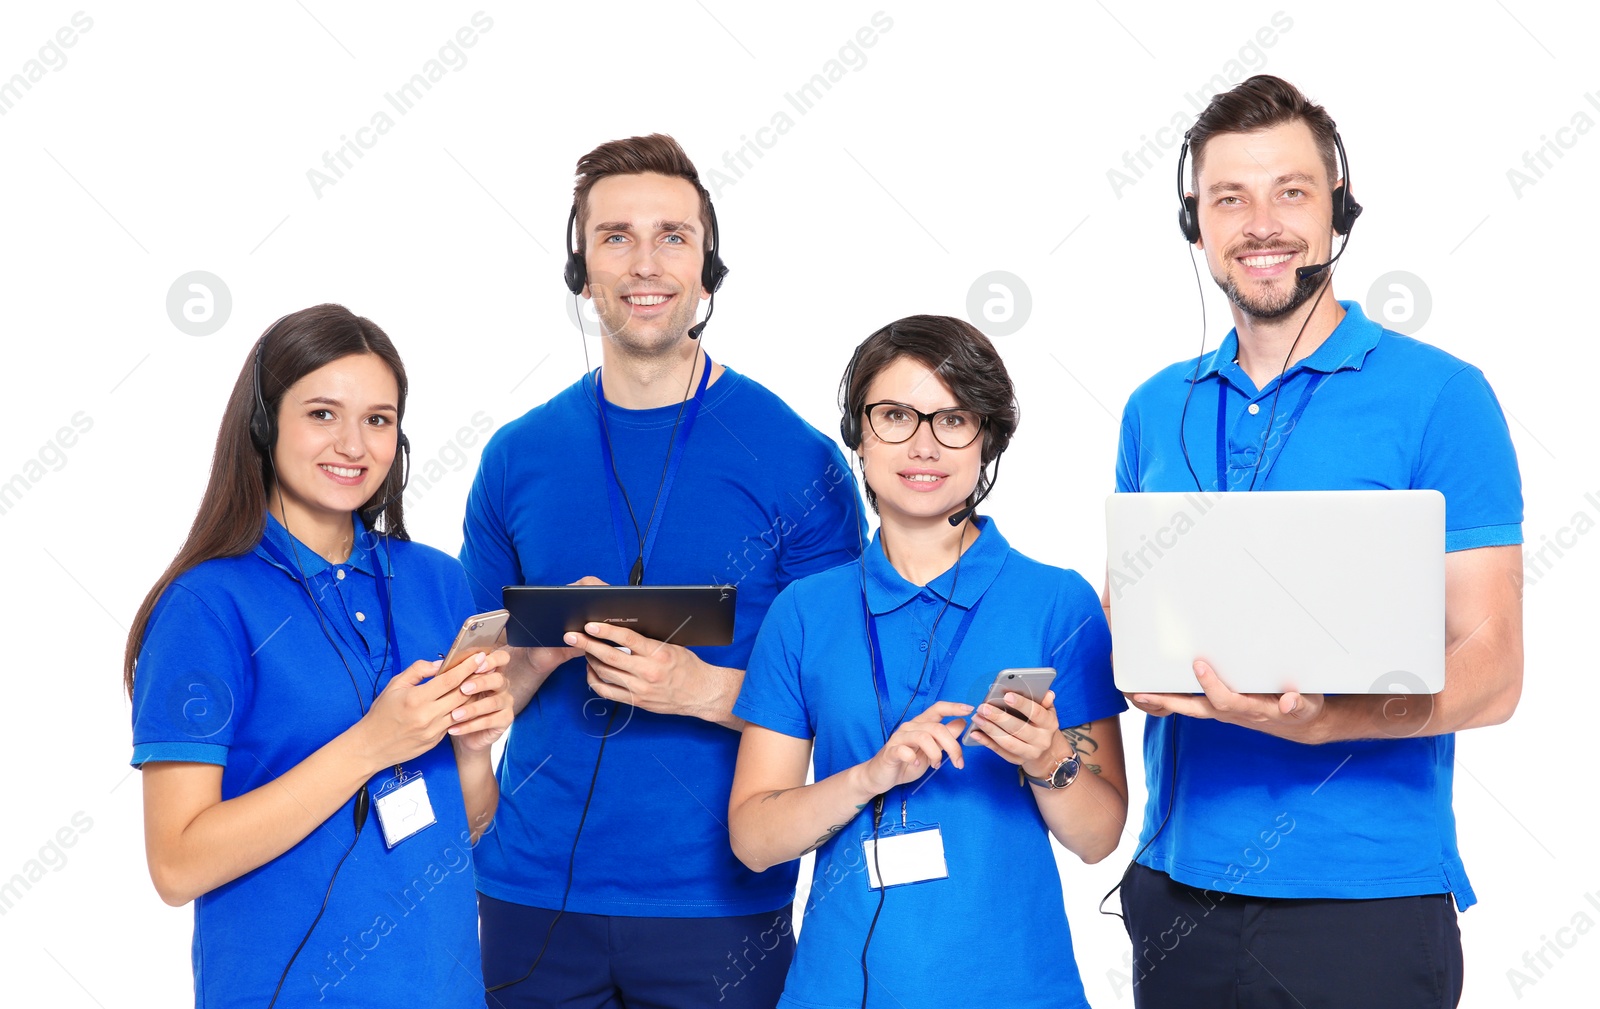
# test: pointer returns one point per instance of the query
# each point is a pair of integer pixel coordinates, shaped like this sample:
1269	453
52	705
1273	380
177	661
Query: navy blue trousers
1205	949
598	961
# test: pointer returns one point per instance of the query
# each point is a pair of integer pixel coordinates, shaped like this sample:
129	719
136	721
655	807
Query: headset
1345	212
713	271
576	275
264	426
264	436
1345	208
850	430
851	433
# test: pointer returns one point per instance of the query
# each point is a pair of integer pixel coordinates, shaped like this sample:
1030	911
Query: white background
178	138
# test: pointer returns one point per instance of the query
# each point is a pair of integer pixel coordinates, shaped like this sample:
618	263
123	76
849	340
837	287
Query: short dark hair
963	359
656	154
1260	103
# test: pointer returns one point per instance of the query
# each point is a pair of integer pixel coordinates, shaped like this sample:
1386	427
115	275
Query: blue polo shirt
235	671
1369	410
760	498
811	677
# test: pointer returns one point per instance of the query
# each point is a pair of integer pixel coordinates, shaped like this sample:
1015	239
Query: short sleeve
1468	457
1085	691
487	552
1128	451
772	696
825	527
191	679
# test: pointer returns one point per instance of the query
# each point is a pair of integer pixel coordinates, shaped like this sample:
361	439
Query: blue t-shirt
810	677
760	499
1369	410
235	671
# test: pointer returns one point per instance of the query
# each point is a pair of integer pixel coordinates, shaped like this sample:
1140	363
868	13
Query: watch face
1064	773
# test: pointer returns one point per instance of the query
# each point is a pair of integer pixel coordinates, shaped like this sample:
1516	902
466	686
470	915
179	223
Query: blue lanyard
1222	428
628	545
277	554
941	672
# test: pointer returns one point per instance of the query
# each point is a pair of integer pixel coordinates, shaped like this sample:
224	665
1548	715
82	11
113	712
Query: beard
616	319
1266	303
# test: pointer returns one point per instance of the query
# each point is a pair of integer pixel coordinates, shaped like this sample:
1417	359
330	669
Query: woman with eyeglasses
879	673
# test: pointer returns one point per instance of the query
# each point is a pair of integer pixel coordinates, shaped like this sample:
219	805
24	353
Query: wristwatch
1064	774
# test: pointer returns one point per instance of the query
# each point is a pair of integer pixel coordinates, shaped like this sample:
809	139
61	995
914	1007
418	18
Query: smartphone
479	633
1032	683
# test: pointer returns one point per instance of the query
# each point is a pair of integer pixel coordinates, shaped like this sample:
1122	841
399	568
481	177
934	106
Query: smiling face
919	479
1266	207
337	437
644	243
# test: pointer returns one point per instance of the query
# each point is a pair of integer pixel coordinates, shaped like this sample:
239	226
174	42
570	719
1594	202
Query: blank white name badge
912	853
403	808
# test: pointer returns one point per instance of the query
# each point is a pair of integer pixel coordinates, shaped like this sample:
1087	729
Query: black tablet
680	614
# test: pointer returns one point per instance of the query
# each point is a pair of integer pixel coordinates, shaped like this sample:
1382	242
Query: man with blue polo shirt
609	878
1300	849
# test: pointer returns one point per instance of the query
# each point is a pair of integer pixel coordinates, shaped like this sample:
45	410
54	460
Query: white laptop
1336	592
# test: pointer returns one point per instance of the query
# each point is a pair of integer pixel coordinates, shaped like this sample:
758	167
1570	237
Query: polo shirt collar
365	554
888	590
1345	348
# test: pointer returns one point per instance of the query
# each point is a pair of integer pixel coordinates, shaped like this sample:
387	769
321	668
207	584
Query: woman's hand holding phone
418	707
916	745
1024	741
487	713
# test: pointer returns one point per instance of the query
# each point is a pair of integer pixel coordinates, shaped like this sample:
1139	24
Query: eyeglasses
894	423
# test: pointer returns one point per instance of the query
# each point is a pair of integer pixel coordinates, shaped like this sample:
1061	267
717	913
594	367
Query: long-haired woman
313	781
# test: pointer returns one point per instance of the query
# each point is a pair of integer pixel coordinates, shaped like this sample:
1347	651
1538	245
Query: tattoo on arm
1083	743
825	838
773	795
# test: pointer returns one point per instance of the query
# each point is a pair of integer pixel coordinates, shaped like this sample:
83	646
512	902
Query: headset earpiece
849	421
1189	219
263	427
1188	206
712	270
1345	207
576	273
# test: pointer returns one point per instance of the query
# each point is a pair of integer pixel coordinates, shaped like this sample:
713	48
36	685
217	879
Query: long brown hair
232	515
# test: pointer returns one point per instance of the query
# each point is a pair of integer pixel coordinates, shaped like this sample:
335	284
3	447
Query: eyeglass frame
983	422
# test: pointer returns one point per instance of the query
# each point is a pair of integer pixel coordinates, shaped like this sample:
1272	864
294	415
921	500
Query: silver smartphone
1032	683
479	633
